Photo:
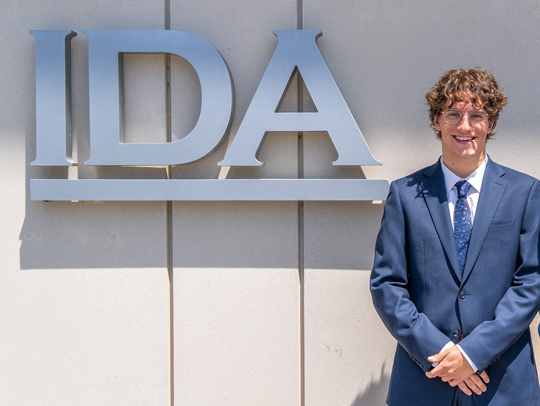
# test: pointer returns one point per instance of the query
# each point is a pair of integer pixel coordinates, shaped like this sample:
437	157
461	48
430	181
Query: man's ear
436	122
490	127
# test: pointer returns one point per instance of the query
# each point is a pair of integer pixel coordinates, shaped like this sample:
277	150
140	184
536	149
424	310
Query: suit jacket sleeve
517	308
389	280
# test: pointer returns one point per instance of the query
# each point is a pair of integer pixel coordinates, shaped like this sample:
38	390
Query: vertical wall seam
168	205
300	146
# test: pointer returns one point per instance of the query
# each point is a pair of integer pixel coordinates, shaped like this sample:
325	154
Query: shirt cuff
470	361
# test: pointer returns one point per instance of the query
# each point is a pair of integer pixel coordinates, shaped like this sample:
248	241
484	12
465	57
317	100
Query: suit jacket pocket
502	223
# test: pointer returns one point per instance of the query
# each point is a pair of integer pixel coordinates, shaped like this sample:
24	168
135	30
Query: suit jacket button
455	333
462	294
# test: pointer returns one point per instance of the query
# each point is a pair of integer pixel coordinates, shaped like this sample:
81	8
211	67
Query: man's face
463	142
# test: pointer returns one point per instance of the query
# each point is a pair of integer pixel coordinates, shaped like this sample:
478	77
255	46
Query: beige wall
256	303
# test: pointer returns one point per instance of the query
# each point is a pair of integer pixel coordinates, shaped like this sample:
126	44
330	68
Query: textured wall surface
236	303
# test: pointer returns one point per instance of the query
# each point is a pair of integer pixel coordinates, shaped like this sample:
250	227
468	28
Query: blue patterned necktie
462	222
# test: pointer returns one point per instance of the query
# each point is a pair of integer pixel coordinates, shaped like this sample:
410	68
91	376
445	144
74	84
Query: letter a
298	49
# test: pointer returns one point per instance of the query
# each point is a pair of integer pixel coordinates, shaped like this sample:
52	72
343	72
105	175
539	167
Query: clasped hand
456	370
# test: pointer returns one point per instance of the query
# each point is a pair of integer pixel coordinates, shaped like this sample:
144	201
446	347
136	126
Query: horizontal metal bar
208	189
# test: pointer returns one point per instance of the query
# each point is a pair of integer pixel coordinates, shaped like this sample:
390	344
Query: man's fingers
464	388
479	383
484	377
440	356
473	382
435	372
437	357
476	384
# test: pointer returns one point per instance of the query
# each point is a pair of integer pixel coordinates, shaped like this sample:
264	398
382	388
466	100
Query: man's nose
464	122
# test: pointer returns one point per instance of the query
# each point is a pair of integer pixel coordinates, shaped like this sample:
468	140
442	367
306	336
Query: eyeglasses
453	116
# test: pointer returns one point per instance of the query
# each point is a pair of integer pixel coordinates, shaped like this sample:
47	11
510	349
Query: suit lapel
434	192
493	186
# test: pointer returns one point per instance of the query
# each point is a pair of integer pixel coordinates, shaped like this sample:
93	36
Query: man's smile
461	138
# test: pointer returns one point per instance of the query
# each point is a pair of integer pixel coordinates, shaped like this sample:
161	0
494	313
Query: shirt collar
475	178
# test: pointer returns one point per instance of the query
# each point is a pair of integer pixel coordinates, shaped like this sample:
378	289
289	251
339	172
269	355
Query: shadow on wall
375	392
65	235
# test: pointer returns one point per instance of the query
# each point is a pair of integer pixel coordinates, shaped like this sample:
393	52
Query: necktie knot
462	188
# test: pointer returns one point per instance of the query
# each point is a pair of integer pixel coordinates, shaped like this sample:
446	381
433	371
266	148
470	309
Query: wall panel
236	303
83	286
385	56
236	321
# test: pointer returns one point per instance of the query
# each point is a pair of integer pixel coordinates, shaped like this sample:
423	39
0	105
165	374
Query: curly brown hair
475	85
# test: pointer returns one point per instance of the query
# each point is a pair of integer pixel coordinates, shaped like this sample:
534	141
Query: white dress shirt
450	180
475	179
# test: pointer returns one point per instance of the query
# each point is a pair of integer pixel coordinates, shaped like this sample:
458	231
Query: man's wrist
469	360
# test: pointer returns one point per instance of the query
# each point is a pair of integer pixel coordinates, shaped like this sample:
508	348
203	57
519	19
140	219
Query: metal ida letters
296	49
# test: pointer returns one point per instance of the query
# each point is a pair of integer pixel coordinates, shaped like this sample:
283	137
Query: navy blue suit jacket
424	301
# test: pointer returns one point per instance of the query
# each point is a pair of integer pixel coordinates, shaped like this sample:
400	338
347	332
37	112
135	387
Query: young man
456	277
